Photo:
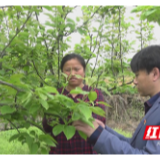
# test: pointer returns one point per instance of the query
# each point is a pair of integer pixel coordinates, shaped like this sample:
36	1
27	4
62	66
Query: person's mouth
73	79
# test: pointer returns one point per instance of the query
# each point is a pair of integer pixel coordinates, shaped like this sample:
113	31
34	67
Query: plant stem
14	125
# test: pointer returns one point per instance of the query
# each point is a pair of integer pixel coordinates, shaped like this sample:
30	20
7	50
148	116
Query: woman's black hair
146	59
73	56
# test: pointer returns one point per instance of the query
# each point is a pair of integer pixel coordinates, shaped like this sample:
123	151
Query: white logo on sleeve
158	143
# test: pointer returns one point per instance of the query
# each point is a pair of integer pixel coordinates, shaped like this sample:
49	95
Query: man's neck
156	89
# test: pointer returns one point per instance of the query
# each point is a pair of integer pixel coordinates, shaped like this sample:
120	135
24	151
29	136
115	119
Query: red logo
152	133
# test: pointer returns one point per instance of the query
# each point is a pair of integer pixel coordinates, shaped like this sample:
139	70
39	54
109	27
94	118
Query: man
146	66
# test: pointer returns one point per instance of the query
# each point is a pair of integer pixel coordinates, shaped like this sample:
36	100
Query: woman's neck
69	88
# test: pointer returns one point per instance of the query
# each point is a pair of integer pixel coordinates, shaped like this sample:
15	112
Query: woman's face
74	67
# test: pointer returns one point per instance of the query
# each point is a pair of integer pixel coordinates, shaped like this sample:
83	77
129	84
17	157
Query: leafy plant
30	55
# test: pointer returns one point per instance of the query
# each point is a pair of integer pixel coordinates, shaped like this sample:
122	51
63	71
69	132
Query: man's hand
85	128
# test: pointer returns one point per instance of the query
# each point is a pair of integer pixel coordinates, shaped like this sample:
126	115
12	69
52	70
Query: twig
120	41
93	50
36	125
85	21
98	78
2	53
37	71
120	85
58	64
97	54
14	125
49	64
11	85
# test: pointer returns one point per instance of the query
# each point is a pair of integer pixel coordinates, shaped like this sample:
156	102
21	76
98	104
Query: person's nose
73	73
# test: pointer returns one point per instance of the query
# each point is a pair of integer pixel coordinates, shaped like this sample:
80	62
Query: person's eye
76	69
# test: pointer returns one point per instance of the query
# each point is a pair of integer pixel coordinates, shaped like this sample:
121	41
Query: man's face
71	68
144	82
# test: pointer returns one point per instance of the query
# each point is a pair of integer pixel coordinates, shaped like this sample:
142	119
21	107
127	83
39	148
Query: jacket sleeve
108	143
121	137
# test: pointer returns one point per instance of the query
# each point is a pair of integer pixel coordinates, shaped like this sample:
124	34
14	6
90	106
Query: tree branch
98	78
93	49
28	17
97	53
96	58
120	85
37	71
58	64
120	41
49	64
11	85
13	125
85	21
36	125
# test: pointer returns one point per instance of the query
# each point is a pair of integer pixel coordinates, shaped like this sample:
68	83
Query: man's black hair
73	56
146	59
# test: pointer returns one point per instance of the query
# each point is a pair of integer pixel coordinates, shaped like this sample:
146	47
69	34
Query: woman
74	64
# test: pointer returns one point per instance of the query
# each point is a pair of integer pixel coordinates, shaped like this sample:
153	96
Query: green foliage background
30	55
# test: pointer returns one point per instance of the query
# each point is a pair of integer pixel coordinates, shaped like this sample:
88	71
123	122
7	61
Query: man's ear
156	73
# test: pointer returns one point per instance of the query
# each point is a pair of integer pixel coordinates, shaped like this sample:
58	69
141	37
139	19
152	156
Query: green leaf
26	125
58	129
51	89
104	103
81	31
34	148
88	121
76	116
7	110
44	103
42	96
60	9
92	96
105	90
84	136
15	136
69	131
99	111
44	150
48	139
78	90
49	8
65	75
78	76
85	110
34	107
18	8
32	132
